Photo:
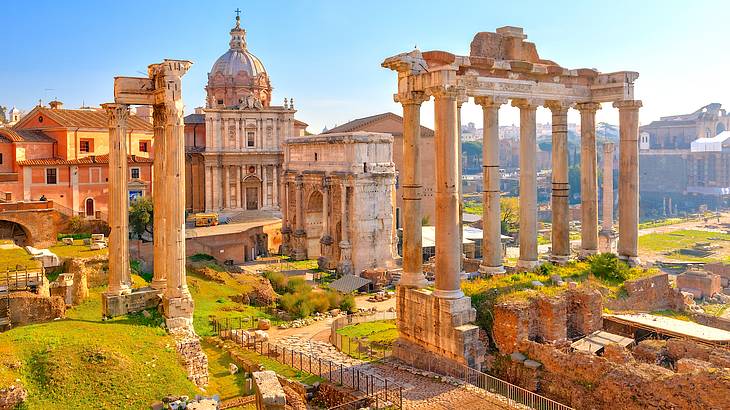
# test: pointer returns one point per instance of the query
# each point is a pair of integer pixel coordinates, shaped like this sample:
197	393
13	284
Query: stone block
140	299
517	357
270	394
531	364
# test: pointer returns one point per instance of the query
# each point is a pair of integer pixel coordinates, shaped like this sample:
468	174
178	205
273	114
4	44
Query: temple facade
234	146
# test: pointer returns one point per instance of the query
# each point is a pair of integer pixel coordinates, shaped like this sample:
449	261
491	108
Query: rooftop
365	124
675	327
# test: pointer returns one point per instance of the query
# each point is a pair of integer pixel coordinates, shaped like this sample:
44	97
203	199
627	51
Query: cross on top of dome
238	35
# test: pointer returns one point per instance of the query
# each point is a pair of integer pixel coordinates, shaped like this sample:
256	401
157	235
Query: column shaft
588	178
276	186
237	184
607	224
159	203
628	187
119	276
300	234
226	186
491	220
412	190
528	185
448	246
560	235
265	186
345	264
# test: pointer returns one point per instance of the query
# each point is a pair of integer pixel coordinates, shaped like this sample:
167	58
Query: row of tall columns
218	194
491	219
120	281
560	235
528	183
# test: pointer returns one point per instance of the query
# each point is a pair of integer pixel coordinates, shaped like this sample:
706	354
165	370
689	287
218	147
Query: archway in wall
15	232
313	224
251	193
719	128
89	207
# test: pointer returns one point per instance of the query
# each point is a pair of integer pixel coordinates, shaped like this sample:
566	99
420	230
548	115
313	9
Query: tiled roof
349	283
90	160
13	135
361	124
90	119
195	119
300	123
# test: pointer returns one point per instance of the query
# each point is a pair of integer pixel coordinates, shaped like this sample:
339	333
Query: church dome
238	76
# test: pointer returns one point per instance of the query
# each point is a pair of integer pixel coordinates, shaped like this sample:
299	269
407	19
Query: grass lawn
661	222
77	250
282	369
11	257
684	238
214	299
378	336
83	362
221	381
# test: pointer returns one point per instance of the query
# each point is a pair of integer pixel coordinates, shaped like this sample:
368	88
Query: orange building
62	155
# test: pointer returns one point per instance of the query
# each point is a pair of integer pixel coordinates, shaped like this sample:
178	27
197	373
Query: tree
141	216
3	118
509	213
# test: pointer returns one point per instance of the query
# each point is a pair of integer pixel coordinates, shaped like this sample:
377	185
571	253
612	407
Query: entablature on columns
491	70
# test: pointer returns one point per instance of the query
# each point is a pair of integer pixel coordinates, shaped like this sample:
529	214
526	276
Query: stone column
276	187
239	188
588	178
560	235
528	184
491	221
120	281
606	238
344	267
226	186
300	235
448	246
177	301
412	276
208	188
460	100
265	186
325	239
285	219
159	202
628	187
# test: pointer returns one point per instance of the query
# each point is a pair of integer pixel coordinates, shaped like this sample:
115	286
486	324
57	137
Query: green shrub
75	236
348	304
278	281
320	302
608	266
201	257
295	285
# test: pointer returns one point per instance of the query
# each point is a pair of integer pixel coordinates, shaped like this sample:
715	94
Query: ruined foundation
136	301
428	324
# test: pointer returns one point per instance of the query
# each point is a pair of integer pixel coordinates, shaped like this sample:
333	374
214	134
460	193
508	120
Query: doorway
252	198
89	207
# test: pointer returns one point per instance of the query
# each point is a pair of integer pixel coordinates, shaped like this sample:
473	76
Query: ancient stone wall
576	312
587	381
710	320
648	294
188	347
26	307
330	395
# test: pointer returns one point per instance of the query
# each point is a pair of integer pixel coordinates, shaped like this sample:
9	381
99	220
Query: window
143	146
315	156
220	102
86	146
95	175
135	173
250	136
51	176
1	157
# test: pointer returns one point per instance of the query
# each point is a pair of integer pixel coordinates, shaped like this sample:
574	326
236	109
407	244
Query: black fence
385	393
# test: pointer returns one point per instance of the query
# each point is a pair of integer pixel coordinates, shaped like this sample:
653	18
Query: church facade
234	146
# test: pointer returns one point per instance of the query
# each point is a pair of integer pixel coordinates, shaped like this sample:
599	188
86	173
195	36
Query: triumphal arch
501	67
162	90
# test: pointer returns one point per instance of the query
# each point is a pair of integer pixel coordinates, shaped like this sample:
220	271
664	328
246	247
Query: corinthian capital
490	102
117	114
588	107
628	104
558	107
411	98
527	103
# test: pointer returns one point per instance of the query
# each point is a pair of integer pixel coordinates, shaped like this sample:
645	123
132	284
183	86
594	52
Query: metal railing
389	393
21	278
360	348
515	394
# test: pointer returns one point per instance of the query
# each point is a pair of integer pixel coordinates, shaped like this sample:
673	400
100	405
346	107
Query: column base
585	253
559	259
415	280
633	261
178	311
525	265
607	241
491	270
448	294
159	284
122	290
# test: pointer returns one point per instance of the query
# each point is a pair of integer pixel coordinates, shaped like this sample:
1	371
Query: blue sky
327	54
